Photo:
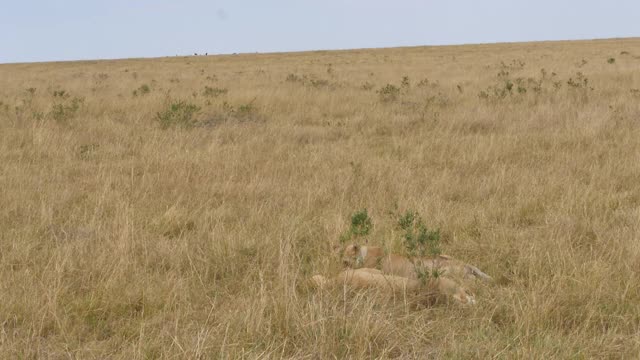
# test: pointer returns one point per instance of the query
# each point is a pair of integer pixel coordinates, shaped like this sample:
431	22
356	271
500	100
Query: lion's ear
356	247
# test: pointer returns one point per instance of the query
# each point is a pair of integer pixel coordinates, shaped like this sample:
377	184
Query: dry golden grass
120	239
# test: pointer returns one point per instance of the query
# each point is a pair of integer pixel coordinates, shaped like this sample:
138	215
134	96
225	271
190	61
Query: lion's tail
477	273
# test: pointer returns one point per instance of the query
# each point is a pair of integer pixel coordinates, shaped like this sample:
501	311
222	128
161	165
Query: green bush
179	113
63	112
418	241
213	91
361	225
142	90
389	93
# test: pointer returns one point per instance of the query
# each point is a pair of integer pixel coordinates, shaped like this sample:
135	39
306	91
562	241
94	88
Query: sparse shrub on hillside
426	83
319	83
513	65
611	60
360	226
293	78
497	92
178	114
142	90
242	112
86	150
31	91
557	85
367	86
579	82
61	94
213	91
625	52
4	107
101	76
63	112
37	115
507	86
309	81
389	93
330	69
581	63
247	112
405	84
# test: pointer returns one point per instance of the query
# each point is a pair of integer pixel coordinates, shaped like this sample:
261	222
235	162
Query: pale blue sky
46	30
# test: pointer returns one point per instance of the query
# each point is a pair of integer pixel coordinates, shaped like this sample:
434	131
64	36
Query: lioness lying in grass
356	256
366	278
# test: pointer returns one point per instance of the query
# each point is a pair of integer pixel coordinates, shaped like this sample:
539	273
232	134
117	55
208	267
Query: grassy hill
175	207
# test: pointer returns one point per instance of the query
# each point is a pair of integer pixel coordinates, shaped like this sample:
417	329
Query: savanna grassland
175	207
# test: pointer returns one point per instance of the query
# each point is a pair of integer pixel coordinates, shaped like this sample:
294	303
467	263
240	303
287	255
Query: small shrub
66	111
37	115
426	83
582	63
367	86
178	113
241	113
86	150
611	60
513	65
405	84
361	225
245	110
579	82
213	91
319	83
142	90
419	242
308	80
389	93
330	69
497	92
293	78
61	94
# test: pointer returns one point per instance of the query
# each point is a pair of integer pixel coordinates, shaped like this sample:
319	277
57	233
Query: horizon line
283	52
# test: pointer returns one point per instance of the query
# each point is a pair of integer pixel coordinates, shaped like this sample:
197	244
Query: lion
357	256
367	278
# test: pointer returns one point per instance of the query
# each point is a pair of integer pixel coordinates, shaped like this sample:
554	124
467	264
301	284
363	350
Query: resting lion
356	256
366	278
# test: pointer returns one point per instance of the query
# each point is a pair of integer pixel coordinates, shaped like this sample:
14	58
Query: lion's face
350	255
